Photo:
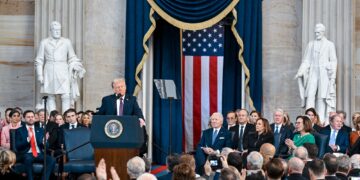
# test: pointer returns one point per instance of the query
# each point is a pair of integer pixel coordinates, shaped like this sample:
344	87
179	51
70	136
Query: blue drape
167	58
193	11
167	65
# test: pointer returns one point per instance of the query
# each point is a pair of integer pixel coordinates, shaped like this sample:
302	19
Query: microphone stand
45	143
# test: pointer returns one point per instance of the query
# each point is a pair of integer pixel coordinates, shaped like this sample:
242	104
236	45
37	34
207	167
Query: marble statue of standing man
58	69
317	75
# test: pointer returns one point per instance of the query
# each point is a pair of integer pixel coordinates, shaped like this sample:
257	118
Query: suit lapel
126	105
114	104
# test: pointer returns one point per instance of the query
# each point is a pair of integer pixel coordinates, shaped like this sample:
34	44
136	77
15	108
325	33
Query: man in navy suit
30	146
241	130
212	141
338	138
281	133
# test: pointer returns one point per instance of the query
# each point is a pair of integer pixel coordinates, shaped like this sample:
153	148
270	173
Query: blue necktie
214	136
276	137
240	143
332	138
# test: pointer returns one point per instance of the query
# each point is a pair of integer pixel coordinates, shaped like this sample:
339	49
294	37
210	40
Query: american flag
202	73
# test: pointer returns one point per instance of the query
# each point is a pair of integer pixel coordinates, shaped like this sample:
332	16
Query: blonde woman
7	160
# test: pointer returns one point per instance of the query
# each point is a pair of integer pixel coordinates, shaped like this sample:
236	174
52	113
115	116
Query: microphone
45	97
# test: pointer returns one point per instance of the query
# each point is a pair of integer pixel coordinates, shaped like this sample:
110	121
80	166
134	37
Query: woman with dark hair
314	117
262	135
254	116
14	124
303	128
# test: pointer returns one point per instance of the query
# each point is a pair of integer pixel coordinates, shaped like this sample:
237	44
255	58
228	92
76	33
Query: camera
215	162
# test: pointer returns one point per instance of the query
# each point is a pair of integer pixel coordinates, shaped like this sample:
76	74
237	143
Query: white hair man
296	166
355	166
135	167
254	162
58	69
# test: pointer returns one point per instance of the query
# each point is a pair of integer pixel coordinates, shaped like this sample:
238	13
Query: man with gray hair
147	176
254	161
135	167
317	75
58	69
296	167
301	153
355	166
343	167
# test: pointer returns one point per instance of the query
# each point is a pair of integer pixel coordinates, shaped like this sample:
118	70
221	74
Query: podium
116	139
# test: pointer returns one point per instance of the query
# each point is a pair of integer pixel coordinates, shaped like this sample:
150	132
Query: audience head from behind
279	116
226	151
188	159
183	171
331	164
172	160
274	169
317	169
295	166
86	176
312	150
147	176
254	161
227	174
301	153
147	164
7	160
242	116
267	150
355	161
343	164
135	167
235	159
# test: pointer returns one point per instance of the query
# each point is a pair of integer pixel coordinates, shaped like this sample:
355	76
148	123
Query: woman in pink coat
14	124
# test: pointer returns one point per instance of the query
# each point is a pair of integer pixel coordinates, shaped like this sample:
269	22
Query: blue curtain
167	65
137	24
249	27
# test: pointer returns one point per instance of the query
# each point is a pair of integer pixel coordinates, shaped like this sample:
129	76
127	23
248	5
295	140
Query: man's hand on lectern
142	122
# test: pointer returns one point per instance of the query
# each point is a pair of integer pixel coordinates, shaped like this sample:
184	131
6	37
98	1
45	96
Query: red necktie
32	142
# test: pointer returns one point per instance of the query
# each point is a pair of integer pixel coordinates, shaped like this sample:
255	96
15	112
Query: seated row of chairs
77	158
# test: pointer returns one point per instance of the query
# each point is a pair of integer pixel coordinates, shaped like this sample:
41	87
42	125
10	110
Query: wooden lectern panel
117	157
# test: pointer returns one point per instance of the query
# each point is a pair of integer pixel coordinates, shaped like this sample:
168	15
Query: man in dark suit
51	129
296	167
281	133
30	146
120	103
331	166
71	123
212	141
342	114
338	140
241	130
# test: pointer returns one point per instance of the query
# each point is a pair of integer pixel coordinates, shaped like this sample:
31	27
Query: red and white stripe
202	95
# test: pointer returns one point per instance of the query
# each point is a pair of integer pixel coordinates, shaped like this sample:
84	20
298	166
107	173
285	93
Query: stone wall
17	54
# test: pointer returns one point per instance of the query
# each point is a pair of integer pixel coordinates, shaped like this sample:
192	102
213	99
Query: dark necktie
72	126
214	136
121	107
240	144
276	137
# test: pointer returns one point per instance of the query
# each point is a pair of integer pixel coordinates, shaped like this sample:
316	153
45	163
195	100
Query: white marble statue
58	69
317	75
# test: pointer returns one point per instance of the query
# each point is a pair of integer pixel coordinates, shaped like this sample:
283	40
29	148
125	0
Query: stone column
70	14
337	17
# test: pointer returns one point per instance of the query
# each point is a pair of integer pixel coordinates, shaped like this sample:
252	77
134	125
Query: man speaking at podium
122	104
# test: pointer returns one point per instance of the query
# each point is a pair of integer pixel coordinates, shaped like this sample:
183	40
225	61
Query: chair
80	153
321	142
19	167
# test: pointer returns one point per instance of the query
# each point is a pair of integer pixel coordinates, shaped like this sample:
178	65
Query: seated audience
30	146
338	140
14	124
331	166
231	119
52	115
303	135
7	160
267	150
295	169
314	118
183	172
288	123
317	169
212	141
263	134
51	129
354	117
146	176
354	135
86	121
343	167
274	169
135	167
354	166
79	115
254	163
59	119
281	133
171	161
312	150
241	130
301	153
254	116
227	174
342	114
